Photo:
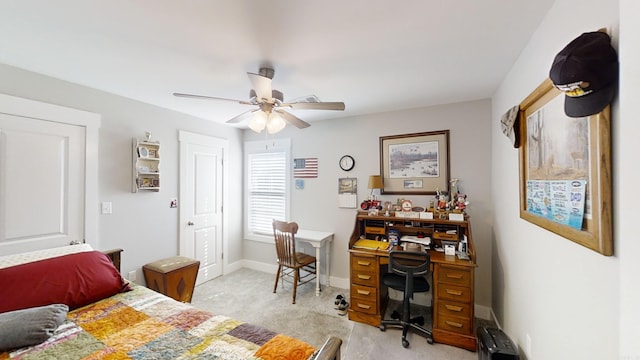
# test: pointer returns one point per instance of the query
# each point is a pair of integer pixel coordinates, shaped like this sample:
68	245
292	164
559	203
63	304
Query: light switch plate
106	207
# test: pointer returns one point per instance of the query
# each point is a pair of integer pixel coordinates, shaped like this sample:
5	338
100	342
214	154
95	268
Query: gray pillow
30	326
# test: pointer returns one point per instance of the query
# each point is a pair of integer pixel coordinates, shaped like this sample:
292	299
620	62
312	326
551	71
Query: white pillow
31	256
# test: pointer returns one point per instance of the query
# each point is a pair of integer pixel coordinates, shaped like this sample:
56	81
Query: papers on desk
426	241
371	244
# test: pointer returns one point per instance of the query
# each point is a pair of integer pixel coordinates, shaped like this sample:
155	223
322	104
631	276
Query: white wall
627	179
565	297
316	208
141	223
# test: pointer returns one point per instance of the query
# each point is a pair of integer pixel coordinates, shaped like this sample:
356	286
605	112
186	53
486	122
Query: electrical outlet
132	276
527	345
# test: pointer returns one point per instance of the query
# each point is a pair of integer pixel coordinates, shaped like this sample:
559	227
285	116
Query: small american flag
305	168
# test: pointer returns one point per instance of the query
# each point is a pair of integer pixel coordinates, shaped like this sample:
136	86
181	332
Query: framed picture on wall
415	164
565	170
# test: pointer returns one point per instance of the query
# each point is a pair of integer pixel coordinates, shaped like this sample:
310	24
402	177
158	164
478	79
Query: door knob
190	223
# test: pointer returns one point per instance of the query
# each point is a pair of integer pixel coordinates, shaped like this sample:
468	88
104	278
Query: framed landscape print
415	164
565	170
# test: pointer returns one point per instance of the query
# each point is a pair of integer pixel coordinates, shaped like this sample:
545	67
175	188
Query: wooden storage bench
174	277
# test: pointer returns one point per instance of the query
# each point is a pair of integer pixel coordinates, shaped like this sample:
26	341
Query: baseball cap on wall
510	125
586	70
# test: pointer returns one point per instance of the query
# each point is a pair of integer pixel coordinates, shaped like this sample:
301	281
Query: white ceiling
375	55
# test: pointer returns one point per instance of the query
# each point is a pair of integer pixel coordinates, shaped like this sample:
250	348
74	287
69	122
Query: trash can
494	344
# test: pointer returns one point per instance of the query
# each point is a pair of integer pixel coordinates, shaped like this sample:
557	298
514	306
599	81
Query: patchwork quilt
143	324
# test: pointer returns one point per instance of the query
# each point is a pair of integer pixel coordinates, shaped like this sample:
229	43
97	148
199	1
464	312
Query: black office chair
406	273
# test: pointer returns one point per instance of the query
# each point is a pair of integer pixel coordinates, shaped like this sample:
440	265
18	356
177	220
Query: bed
73	304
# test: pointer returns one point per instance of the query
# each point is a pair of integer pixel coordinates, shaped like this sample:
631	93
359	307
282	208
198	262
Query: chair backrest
409	264
284	234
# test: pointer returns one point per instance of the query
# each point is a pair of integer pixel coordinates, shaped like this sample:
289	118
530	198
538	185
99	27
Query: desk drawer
453	292
363	263
364	306
454	308
454	276
455	324
374	230
368	293
366	278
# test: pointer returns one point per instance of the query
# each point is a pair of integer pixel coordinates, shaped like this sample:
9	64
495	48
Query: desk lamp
375	182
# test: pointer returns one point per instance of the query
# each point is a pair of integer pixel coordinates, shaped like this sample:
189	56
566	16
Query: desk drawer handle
364	292
453	308
364	263
364	277
454	324
454	292
364	306
454	276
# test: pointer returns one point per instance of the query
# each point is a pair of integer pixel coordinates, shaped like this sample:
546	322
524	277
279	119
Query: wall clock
347	163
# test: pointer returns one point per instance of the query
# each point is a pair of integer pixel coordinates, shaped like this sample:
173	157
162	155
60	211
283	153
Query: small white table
317	239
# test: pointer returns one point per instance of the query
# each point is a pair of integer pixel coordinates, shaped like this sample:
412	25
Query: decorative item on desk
449	250
441	198
461	202
426	215
370	204
387	208
394	237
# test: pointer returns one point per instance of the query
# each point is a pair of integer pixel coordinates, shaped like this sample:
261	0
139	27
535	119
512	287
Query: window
267	174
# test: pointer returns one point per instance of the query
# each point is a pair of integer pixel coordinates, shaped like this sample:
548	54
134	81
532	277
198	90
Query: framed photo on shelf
415	164
565	170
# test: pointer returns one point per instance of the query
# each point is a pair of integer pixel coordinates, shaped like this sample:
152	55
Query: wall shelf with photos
146	166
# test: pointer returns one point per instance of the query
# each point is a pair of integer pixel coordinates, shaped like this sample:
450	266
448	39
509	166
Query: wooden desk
452	285
317	239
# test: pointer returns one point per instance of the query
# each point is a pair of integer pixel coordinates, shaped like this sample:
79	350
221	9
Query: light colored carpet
247	295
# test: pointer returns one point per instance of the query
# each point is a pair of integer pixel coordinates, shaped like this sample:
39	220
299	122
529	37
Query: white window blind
267	191
267	178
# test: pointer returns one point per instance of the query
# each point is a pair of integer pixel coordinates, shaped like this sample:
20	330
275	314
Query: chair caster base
430	341
383	328
405	343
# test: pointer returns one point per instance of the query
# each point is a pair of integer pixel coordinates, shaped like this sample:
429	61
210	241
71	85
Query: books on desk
426	241
371	244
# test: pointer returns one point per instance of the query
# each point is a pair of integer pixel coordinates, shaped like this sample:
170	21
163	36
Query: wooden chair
291	262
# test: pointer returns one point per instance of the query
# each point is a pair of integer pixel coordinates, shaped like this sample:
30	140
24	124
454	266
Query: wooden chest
174	277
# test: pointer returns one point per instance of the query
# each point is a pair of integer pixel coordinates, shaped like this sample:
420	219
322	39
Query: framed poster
415	164
565	170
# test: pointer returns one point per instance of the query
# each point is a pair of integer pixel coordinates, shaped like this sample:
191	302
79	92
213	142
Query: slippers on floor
343	307
336	303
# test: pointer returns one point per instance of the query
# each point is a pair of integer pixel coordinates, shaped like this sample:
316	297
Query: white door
201	181
42	182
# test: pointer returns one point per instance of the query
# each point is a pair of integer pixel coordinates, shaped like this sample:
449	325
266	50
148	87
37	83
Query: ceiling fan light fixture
275	123
258	121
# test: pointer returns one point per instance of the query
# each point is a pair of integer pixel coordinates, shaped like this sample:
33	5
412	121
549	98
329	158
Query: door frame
184	138
16	106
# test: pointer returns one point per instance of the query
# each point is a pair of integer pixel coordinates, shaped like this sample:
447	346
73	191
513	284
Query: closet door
42	183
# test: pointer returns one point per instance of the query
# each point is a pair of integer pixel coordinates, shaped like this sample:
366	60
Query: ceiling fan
270	113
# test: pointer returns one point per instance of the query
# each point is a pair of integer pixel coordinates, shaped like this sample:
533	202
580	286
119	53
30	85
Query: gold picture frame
415	164
557	152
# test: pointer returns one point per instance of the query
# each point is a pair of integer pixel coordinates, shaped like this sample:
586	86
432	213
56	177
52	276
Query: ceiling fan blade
315	106
292	119
261	85
211	98
241	117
